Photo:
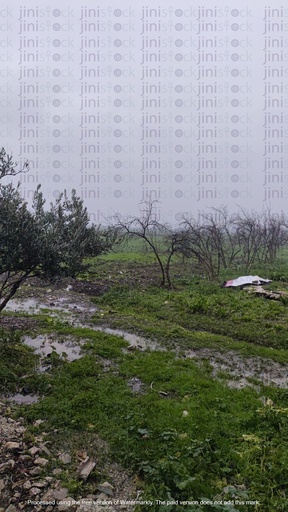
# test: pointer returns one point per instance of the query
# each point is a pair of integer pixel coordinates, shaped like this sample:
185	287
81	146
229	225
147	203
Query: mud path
232	368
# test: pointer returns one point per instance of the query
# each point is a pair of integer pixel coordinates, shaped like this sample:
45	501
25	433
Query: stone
44	449
68	505
27	485
34	491
60	494
56	471
40	484
11	508
2	485
40	462
84	469
24	458
12	446
65	458
102	497
35	471
37	423
106	488
33	451
89	506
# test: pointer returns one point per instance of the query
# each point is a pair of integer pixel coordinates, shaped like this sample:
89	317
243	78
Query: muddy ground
72	302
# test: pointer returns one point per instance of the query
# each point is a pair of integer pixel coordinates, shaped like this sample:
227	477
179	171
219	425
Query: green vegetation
48	244
184	432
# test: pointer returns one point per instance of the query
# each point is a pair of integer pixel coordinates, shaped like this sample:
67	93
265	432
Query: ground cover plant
185	434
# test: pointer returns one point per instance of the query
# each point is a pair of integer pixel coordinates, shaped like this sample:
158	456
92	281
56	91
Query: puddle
135	341
73	310
45	345
240	369
55	305
25	305
23	399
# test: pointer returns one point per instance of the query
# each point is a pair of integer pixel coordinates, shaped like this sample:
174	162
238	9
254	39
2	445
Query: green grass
186	434
16	360
189	443
202	314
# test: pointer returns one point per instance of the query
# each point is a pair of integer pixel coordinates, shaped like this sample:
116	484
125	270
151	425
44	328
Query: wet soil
238	369
72	304
77	309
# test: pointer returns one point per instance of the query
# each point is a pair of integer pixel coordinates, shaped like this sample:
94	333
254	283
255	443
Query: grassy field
195	439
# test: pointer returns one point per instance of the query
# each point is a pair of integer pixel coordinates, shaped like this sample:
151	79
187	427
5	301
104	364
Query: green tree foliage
47	243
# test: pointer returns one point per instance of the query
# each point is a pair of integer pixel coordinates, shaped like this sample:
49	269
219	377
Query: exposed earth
24	479
23	462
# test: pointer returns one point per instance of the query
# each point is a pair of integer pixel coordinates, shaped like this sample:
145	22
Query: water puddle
55	305
241	369
45	344
27	305
20	399
135	341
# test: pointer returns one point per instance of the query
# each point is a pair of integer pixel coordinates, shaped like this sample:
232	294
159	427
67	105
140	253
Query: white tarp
243	280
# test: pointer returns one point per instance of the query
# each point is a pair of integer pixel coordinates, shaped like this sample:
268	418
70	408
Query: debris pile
25	464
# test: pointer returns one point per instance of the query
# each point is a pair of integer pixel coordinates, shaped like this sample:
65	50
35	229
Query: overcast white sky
186	105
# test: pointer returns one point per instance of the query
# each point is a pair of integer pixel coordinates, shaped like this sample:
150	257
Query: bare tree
211	240
162	240
275	234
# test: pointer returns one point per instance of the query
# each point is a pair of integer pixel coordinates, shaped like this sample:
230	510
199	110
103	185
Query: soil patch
240	369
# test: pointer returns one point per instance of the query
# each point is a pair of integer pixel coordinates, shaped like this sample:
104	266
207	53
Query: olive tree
38	242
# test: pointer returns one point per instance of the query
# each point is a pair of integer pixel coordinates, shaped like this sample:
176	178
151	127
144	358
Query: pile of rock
24	484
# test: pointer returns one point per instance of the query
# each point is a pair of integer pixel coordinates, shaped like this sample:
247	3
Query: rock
38	422
27	485
106	488
33	450
90	506
2	485
34	491
60	494
11	508
84	469
35	471
56	471
39	484
24	458
12	446
102	497
7	465
65	458
44	449
48	495
67	506
40	462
